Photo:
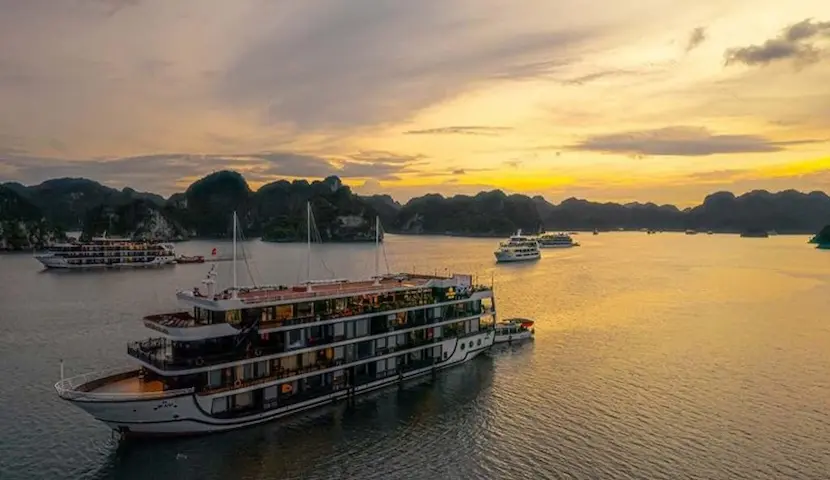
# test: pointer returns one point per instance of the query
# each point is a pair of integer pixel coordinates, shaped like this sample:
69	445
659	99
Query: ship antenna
234	254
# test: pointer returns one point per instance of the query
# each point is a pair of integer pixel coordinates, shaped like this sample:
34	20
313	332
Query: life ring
237	383
258	352
200	361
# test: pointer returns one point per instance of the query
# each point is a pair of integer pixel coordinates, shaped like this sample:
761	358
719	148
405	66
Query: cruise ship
104	252
246	355
556	240
518	248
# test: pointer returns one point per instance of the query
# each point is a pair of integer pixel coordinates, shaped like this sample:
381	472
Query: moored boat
105	252
518	248
246	355
556	240
514	329
190	259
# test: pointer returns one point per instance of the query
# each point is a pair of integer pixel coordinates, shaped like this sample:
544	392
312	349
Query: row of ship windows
349	353
319	310
324	383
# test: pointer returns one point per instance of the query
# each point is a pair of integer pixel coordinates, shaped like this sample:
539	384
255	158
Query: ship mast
308	245
377	246
235	220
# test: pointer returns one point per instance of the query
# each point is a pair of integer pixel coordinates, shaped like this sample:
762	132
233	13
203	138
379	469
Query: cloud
163	172
460	130
793	43
583	79
697	37
364	62
681	141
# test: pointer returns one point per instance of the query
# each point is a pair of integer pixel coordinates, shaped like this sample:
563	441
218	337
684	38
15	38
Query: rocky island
22	224
36	215
822	238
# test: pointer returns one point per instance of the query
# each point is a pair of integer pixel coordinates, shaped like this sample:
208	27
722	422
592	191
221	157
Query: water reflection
395	427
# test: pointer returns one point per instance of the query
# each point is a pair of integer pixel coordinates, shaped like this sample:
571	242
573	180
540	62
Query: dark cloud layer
460	130
680	141
160	172
796	43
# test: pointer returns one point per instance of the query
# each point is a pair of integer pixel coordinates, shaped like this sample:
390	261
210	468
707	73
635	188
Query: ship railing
82	387
151	350
280	373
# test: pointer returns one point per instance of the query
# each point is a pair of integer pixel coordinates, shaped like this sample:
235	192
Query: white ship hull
59	262
508	256
563	245
513	337
188	413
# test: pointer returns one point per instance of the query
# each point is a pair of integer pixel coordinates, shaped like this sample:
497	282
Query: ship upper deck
274	294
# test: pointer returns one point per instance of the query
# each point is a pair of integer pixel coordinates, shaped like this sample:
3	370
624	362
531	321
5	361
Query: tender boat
246	355
556	240
514	329
518	248
190	259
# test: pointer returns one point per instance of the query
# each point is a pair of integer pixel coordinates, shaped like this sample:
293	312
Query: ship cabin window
214	378
295	338
362	327
340	305
234	317
350	329
323	307
250	315
284	312
304	310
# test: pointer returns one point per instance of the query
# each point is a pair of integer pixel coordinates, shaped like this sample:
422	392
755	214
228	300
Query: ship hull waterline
187	415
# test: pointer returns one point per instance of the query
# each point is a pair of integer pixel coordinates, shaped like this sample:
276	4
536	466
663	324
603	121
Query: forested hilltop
275	212
23	225
32	216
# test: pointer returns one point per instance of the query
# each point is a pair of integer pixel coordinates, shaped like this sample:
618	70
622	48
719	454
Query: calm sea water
657	357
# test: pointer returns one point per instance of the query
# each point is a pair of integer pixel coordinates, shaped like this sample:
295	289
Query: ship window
462	345
269	393
339	329
380	343
304	310
220	405
214	378
349	329
285	312
295	338
339	304
233	317
248	371
362	327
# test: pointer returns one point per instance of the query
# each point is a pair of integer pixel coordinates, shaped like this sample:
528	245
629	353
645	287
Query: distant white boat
518	248
556	240
104	252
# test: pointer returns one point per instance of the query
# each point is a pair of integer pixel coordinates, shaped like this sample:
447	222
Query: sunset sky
618	100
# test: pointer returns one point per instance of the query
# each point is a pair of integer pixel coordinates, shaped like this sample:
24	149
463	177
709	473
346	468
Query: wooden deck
130	385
